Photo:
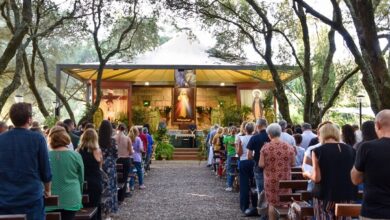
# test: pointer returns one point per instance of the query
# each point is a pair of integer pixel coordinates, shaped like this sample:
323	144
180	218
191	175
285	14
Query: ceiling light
146	83
222	84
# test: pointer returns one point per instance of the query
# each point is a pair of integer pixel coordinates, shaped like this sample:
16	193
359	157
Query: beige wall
209	97
158	97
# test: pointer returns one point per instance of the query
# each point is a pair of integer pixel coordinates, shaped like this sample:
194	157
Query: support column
57	111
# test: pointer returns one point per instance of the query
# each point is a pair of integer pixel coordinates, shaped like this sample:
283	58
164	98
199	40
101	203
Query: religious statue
257	108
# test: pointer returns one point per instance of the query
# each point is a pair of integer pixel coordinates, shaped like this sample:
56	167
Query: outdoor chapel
176	109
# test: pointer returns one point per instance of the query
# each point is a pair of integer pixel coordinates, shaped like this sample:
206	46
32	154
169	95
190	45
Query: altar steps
185	154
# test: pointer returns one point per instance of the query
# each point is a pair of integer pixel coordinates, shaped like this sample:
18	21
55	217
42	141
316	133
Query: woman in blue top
137	157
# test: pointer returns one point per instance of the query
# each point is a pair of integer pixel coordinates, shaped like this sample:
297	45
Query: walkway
181	190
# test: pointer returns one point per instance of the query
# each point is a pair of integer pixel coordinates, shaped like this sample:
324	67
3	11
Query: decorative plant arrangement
164	150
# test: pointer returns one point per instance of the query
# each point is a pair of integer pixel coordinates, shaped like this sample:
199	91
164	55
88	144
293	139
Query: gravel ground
181	190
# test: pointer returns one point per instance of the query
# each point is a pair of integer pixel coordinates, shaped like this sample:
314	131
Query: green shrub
164	150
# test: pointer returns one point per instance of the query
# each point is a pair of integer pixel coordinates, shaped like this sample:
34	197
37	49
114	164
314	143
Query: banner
185	78
184	105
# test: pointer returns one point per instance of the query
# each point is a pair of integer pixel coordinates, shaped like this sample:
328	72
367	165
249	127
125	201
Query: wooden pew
297	176
13	217
52	201
86	213
294	185
347	210
296	169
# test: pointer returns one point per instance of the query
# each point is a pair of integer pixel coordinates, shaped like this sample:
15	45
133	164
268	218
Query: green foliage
123	118
50	121
164	150
201	143
234	114
139	115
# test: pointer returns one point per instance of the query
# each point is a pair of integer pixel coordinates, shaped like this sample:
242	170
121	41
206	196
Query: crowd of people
68	162
337	162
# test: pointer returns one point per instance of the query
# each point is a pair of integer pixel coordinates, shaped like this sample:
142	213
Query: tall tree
19	26
130	32
376	77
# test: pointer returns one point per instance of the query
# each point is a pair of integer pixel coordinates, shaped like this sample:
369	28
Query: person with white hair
284	135
307	135
209	143
370	168
276	158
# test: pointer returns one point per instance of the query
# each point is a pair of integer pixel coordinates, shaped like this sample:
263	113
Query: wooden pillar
129	103
238	96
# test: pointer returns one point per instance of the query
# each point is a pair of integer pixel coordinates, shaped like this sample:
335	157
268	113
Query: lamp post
56	106
360	100
18	98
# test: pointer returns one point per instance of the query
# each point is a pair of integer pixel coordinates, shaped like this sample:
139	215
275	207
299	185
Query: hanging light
18	98
146	83
222	84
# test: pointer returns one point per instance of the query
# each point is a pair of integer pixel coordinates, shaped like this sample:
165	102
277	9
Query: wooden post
57	108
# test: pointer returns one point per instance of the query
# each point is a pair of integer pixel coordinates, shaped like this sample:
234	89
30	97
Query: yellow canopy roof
164	74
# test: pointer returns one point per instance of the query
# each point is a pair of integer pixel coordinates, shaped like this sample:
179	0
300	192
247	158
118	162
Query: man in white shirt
307	135
285	136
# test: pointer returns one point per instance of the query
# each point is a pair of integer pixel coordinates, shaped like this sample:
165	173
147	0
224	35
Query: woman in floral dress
276	157
110	155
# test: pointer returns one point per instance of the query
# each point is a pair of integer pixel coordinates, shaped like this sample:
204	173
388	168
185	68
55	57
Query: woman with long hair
110	154
68	174
348	135
138	149
93	161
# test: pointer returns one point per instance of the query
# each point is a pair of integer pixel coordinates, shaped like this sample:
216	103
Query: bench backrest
14	217
347	210
293	184
51	201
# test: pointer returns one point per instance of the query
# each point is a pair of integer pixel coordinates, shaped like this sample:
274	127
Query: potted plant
164	150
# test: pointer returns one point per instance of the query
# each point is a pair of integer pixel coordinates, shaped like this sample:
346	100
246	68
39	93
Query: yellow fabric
203	76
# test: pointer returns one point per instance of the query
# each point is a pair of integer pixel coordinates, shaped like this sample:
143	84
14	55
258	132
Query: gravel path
181	190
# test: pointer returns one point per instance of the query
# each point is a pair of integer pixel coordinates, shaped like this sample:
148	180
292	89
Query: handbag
294	211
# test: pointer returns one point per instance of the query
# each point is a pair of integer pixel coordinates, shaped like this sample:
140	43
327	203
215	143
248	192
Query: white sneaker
229	189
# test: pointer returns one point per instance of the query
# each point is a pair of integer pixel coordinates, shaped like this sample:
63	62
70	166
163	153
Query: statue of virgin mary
257	108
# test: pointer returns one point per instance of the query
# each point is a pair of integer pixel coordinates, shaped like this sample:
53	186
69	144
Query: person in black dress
93	161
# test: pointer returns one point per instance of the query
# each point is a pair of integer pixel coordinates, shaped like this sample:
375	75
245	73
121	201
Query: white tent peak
182	49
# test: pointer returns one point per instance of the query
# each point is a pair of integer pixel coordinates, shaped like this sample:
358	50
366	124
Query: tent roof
157	67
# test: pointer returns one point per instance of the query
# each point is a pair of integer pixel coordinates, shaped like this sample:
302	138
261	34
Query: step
185	153
185	157
186	149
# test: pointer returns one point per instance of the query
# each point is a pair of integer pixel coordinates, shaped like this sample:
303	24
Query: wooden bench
293	184
52	201
347	210
86	213
296	169
14	217
297	176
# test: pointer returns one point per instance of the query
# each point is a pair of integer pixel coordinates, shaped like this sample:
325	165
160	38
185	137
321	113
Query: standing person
93	161
332	162
209	141
73	137
245	167
125	150
24	167
307	135
110	155
348	135
254	146
149	149
68	174
284	135
276	158
371	169
3	127
137	157
368	133
230	152
299	151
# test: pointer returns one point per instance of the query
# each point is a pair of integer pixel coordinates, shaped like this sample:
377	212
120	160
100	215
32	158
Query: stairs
185	154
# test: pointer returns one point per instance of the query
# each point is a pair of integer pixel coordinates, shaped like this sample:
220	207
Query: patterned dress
278	157
110	155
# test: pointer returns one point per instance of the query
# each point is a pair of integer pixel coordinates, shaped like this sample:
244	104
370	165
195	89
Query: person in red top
144	139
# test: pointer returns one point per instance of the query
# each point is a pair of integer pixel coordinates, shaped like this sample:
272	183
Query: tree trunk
18	34
16	81
33	86
363	16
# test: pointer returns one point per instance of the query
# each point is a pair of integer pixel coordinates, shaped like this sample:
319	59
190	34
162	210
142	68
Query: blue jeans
246	173
229	172
138	167
33	211
259	178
